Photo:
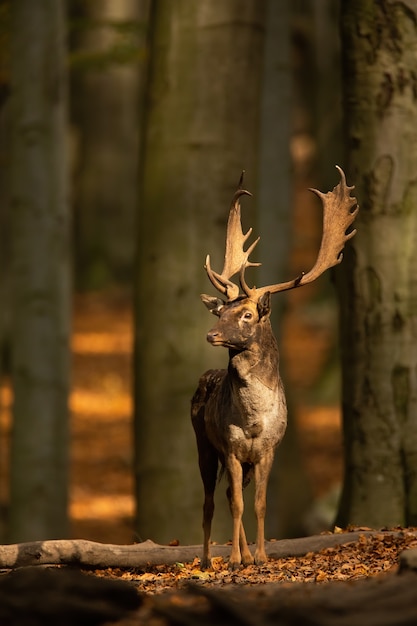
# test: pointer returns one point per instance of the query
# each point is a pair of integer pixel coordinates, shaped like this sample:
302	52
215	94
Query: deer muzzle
214	337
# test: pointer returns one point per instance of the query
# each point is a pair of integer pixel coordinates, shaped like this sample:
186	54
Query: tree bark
5	216
378	281
40	271
327	90
108	96
202	130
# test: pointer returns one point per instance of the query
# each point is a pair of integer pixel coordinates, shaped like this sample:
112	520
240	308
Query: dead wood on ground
85	553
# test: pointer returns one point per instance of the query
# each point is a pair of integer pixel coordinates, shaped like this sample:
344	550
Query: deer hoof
205	563
247	559
234	565
260	559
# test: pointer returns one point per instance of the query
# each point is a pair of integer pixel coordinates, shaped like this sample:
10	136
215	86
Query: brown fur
239	414
239	417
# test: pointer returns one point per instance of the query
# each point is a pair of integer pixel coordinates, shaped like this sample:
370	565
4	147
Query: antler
235	256
338	215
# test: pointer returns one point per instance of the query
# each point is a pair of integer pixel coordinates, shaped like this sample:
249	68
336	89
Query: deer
239	414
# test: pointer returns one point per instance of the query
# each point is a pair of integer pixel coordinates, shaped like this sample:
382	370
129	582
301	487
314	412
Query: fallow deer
239	415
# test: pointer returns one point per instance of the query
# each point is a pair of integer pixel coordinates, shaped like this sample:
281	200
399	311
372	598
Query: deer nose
212	335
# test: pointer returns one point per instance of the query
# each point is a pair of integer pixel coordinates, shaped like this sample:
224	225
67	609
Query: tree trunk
108	76
327	90
379	282
5	312
5	285
202	130
40	271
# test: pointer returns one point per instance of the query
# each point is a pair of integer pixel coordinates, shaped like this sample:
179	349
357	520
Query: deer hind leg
208	470
208	463
240	552
262	471
246	556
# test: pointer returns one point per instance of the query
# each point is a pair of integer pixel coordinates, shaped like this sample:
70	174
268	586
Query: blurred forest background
124	127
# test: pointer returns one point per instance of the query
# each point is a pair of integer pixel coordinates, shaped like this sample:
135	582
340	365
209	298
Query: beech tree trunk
5	312
108	75
40	271
379	280
202	130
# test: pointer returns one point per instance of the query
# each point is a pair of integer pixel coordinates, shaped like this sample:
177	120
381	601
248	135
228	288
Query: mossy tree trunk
379	279
40	271
202	130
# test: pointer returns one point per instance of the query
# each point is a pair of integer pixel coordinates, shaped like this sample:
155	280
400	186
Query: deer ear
214	305
264	305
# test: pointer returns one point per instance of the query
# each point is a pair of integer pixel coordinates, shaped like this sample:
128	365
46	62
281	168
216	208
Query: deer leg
262	471
208	462
208	511
246	555
235	473
247	558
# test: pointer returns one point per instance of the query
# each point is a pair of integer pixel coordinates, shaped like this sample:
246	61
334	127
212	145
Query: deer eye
248	315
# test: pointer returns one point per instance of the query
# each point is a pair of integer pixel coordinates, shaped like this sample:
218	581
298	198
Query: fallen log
389	601
85	553
39	596
65	596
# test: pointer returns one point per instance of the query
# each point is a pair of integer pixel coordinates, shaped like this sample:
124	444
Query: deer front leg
234	471
246	556
262	471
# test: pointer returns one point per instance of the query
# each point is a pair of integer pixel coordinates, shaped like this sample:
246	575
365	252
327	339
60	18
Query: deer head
240	321
339	212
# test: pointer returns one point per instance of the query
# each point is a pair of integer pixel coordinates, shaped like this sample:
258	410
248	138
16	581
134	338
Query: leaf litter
285	591
370	556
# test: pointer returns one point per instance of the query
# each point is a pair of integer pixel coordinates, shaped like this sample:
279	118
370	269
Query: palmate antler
235	256
339	212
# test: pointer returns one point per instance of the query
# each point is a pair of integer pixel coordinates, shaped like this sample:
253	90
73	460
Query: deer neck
259	360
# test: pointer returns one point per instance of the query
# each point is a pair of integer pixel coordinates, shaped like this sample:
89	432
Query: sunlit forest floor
102	504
